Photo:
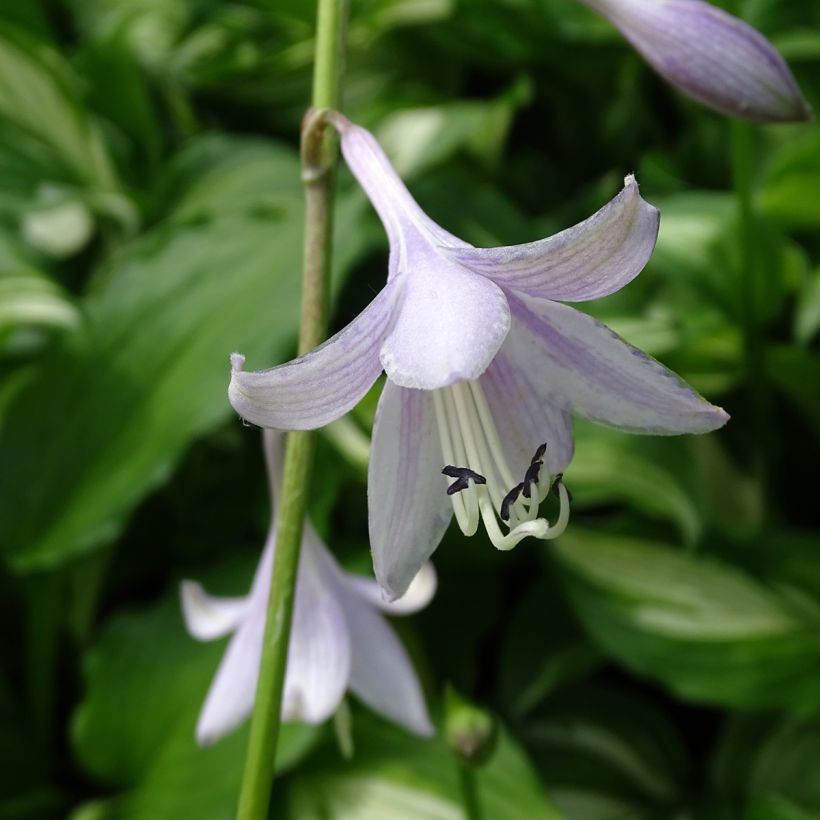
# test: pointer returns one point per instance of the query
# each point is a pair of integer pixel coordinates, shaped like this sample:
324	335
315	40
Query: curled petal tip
721	416
630	181
237	362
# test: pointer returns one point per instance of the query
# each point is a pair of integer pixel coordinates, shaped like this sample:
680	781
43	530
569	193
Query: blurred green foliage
659	661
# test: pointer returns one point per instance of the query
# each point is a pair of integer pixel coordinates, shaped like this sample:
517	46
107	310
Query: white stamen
469	438
467	523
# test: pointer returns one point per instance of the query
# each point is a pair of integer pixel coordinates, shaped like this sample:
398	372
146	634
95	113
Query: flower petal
590	260
381	673
449	325
230	698
590	371
420	592
319	653
407	500
400	214
208	617
714	57
317	388
524	412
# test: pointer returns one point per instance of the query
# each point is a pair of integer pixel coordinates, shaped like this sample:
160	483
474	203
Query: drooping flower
711	55
483	368
339	639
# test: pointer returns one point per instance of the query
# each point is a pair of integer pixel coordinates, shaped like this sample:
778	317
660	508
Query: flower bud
470	732
710	55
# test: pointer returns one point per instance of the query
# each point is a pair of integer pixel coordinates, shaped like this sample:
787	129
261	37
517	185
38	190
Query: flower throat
485	488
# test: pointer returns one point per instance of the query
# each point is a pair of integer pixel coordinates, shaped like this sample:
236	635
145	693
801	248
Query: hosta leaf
767	763
704	628
605	755
395	775
37	97
611	467
114	407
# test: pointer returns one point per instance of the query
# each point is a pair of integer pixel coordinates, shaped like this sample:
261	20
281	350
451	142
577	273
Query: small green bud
470	731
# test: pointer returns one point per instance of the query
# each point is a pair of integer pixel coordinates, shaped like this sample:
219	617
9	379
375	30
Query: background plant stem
751	290
468	782
318	160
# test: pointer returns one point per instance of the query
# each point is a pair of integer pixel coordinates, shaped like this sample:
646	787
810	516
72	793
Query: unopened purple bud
714	57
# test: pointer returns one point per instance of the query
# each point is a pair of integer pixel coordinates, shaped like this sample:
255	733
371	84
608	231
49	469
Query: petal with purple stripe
408	506
319	654
322	385
590	260
590	371
230	697
524	412
381	672
400	214
449	325
711	55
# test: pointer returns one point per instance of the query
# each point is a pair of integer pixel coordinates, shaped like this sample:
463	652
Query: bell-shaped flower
711	55
483	368
339	639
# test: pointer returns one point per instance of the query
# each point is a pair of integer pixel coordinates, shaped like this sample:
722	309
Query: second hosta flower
339	639
484	367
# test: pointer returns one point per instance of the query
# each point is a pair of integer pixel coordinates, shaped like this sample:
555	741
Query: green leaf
792	177
31	300
565	656
38	99
692	225
703	628
793	371
120	402
770	763
807	315
417	139
606	755
396	775
609	467
145	681
27	295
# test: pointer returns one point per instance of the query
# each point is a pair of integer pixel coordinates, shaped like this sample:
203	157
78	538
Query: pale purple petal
208	617
401	216
714	57
230	698
407	498
319	652
420	592
588	261
381	673
524	412
449	324
590	371
317	388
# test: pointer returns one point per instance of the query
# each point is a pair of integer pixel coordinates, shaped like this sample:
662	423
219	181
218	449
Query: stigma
485	491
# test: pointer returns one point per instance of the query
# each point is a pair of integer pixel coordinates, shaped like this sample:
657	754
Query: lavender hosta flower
339	639
483	368
714	57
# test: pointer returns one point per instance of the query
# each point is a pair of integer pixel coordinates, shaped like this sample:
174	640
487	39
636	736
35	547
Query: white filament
469	438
